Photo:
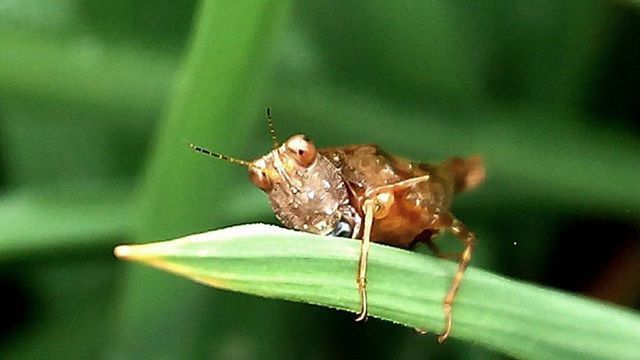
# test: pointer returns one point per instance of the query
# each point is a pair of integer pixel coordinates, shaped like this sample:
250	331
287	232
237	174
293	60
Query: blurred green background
96	99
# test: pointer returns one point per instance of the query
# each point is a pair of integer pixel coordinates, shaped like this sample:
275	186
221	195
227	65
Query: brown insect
361	192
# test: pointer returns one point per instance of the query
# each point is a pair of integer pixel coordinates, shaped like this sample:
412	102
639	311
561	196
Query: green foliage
212	98
404	287
97	98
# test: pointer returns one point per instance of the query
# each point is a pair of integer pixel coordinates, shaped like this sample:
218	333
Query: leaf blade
516	318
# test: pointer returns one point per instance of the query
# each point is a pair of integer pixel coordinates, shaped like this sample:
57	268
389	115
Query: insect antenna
208	152
271	129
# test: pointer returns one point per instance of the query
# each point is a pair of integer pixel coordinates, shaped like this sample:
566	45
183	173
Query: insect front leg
468	238
376	202
361	278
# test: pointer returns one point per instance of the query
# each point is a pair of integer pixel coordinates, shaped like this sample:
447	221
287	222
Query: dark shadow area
599	258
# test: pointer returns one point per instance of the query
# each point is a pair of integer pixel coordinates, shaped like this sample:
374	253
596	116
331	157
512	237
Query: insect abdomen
468	173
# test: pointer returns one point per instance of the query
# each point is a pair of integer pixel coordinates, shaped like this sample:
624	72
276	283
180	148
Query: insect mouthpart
260	178
343	229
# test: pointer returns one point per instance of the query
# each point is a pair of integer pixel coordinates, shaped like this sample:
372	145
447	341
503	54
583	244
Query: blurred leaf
158	23
519	319
420	51
543	52
58	143
47	219
83	70
66	306
224	71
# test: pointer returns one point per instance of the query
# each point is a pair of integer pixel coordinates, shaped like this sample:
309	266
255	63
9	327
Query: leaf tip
123	252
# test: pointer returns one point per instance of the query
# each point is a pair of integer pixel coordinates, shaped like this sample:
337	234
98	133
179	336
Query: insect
361	192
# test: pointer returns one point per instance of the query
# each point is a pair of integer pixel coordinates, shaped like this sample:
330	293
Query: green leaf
215	100
519	319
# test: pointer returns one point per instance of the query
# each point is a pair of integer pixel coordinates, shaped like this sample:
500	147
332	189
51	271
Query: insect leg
397	186
468	238
361	278
369	208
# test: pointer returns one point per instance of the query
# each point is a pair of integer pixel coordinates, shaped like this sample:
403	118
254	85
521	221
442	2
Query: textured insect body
360	192
404	215
310	197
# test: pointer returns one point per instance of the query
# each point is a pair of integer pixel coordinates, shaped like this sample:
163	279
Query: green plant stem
513	317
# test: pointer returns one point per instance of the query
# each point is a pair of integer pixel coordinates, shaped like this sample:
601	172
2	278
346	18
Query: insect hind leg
468	238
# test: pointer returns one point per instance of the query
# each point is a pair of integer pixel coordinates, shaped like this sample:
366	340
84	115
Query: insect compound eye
343	229
260	179
302	149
